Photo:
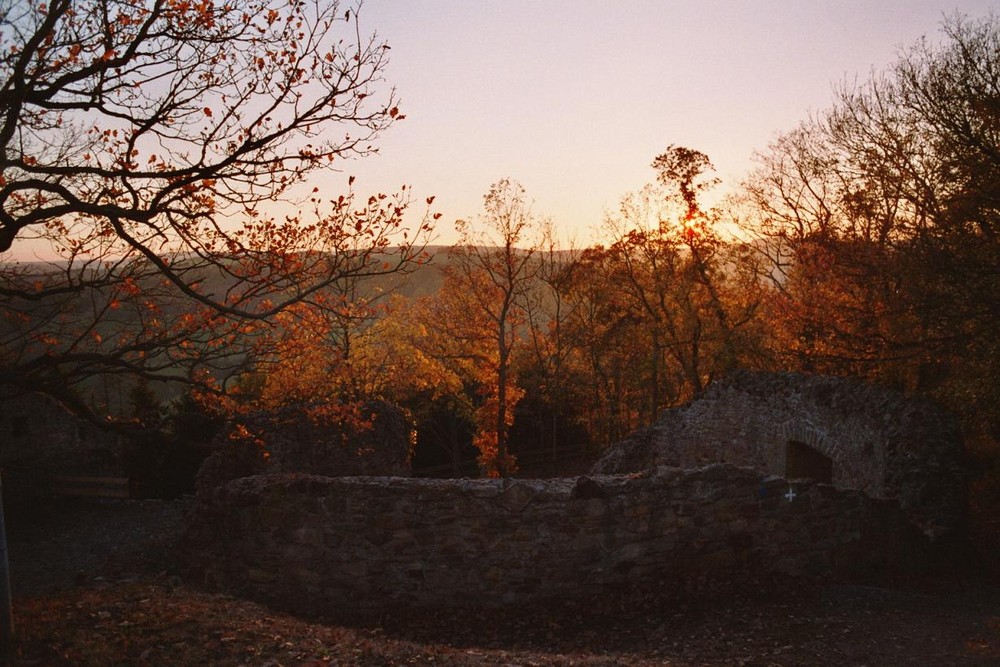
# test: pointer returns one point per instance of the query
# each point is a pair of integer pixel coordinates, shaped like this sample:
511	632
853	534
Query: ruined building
763	478
833	430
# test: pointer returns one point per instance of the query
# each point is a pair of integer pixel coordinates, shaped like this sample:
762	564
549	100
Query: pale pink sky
574	98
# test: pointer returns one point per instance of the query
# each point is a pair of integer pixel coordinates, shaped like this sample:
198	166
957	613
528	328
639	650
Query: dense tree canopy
879	218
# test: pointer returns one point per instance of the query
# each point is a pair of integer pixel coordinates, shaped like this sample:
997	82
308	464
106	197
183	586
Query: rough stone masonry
887	444
314	544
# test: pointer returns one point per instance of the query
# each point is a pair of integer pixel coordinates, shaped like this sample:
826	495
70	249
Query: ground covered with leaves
136	611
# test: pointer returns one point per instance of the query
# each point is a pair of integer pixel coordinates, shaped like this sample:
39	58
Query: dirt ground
94	584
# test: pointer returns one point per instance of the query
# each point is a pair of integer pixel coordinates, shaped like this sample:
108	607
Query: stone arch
807	434
886	444
799	447
805	462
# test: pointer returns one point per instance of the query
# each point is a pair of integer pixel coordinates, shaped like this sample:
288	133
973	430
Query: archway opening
802	461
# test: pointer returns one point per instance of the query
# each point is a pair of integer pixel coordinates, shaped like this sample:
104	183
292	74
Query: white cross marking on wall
790	496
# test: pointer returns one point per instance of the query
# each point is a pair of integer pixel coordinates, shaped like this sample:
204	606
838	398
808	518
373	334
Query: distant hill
420	280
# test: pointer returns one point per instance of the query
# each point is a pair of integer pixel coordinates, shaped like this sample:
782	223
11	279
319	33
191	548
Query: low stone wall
314	544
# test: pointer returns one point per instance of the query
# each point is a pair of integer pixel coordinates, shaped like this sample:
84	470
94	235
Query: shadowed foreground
132	610
153	622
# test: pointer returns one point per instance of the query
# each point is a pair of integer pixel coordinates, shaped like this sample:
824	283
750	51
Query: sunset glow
574	99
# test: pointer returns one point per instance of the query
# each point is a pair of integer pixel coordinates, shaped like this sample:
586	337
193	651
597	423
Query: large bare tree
880	220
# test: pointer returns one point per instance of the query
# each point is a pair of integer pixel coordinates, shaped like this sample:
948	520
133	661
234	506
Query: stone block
515	497
309	537
593	508
305	576
258	576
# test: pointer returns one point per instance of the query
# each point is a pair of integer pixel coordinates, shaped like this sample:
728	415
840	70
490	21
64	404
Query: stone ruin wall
882	442
670	507
37	431
40	438
315	544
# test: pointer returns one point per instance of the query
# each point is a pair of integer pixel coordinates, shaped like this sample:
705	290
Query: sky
574	98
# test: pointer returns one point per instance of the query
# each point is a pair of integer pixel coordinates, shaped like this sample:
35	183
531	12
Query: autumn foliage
166	152
156	154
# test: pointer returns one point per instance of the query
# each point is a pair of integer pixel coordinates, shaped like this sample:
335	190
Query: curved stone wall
316	544
879	441
698	499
